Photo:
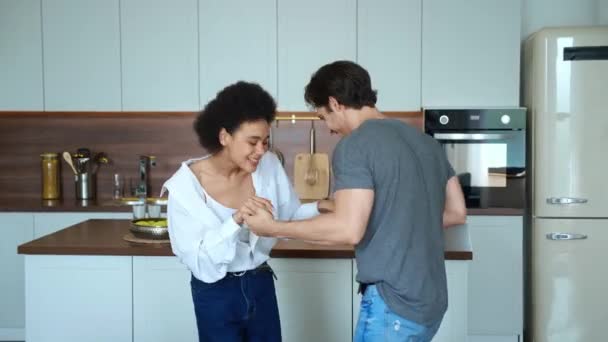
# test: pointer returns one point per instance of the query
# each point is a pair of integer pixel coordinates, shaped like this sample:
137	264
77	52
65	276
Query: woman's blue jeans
237	308
378	323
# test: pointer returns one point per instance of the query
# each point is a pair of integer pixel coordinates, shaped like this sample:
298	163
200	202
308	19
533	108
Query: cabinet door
237	47
159	55
47	223
315	298
78	298
312	34
389	47
470	53
162	301
20	55
15	229
496	275
454	325
81	44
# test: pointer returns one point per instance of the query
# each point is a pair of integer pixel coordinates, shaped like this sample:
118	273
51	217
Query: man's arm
455	210
346	225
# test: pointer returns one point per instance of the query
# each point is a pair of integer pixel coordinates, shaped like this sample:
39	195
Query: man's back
402	249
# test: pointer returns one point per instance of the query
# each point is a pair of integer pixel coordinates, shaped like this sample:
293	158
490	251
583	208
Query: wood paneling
123	136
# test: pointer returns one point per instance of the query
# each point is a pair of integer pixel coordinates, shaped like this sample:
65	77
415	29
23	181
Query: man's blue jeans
237	308
377	323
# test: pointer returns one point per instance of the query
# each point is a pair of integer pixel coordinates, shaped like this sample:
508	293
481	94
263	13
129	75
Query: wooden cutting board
311	172
302	165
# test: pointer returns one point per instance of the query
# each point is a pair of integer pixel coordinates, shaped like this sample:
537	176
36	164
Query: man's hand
249	207
261	222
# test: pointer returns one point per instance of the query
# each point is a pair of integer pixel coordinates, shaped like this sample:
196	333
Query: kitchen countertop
105	237
108	205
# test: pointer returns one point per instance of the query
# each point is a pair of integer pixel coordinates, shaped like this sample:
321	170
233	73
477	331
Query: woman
232	285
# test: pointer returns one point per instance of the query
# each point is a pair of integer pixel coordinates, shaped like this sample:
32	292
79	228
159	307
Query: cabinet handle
566	200
566	236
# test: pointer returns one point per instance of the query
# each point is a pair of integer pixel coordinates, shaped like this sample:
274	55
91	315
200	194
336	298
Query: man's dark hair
346	81
232	106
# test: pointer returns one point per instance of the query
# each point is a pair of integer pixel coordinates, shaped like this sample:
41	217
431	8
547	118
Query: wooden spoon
68	159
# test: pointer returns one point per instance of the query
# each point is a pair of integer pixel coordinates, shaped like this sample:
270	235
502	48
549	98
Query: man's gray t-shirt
402	249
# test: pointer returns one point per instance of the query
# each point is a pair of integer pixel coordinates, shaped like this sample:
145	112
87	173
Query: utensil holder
85	184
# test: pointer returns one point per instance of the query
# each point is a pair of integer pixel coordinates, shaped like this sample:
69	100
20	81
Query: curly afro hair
232	106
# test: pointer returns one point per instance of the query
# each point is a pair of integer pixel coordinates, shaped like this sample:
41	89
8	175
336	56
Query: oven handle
471	136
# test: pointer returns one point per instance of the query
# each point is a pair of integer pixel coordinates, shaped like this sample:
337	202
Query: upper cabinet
20	55
159	55
311	34
470	53
81	49
389	47
238	41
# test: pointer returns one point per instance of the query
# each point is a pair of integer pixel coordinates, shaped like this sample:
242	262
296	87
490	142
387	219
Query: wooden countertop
107	205
105	237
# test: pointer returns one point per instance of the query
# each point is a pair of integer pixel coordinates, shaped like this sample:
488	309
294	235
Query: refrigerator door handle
566	200
566	236
471	136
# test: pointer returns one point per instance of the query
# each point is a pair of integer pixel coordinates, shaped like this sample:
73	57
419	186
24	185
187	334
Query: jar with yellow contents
51	176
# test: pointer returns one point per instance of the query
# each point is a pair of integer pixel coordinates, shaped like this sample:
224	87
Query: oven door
490	166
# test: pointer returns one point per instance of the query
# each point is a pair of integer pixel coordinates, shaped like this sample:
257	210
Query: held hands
250	207
257	214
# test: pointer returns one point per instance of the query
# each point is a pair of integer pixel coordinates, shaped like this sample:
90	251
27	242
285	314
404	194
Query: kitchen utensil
155	229
100	158
85	186
311	172
273	149
85	152
82	163
68	159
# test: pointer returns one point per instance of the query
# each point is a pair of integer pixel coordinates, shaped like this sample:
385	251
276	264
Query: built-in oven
487	149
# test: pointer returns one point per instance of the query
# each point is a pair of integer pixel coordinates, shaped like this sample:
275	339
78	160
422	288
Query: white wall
537	14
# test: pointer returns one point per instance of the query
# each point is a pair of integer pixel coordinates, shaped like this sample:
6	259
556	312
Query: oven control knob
444	119
505	119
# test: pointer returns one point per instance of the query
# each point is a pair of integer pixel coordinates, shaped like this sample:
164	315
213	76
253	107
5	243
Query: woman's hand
249	208
326	206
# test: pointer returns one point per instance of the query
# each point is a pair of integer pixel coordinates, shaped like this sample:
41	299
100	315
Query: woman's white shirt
203	234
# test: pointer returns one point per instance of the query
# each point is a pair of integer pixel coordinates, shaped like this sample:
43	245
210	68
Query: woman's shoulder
183	175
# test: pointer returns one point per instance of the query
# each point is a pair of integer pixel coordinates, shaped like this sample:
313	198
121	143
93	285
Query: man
394	193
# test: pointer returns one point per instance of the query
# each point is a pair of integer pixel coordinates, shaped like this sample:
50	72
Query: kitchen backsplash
123	136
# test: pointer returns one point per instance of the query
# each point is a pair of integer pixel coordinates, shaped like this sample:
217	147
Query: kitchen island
86	283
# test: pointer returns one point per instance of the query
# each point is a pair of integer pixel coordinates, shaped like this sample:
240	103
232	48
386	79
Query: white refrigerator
566	93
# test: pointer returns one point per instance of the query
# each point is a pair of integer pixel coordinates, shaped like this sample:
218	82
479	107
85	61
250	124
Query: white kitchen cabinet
81	44
159	55
20	55
47	223
389	47
78	298
162	300
239	45
496	278
471	53
15	229
315	298
311	34
454	325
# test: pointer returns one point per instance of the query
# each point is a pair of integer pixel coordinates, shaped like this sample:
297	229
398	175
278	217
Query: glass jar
51	188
